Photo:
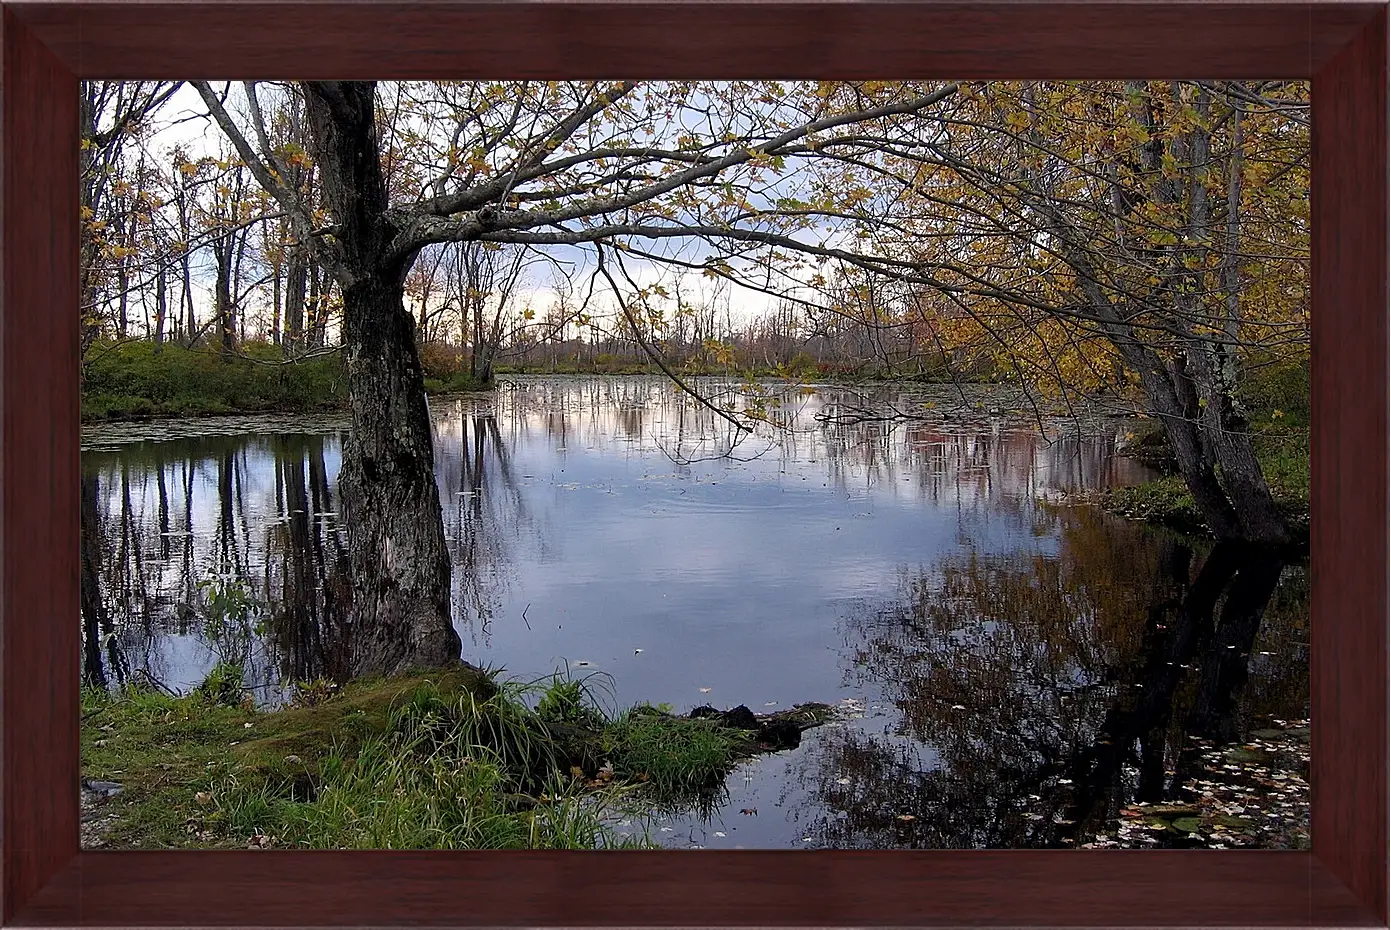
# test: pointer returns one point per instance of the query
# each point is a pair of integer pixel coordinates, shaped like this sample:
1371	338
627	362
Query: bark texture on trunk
1229	435
1210	437
398	563
1212	445
399	570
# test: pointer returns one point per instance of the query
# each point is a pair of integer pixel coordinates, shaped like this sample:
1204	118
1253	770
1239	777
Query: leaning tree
1097	232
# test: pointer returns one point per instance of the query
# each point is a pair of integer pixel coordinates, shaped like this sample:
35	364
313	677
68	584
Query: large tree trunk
399	565
1209	437
399	568
1228	436
1213	450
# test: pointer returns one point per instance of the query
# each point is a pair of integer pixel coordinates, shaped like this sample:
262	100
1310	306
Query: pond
1013	667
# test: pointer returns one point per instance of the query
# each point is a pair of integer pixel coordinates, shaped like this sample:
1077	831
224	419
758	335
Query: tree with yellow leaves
1098	232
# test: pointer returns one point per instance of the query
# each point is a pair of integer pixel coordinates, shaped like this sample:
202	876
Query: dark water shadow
1033	701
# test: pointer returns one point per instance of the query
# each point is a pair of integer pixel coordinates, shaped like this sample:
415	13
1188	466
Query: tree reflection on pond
1037	698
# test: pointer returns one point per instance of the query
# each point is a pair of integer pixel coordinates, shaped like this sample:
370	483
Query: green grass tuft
678	757
452	759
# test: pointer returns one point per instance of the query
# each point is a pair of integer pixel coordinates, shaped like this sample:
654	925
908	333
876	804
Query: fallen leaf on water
750	811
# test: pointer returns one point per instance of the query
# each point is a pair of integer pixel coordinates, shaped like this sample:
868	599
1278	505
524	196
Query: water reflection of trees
254	509
960	454
98	630
159	518
484	508
163	516
303	575
136	567
1036	694
976	460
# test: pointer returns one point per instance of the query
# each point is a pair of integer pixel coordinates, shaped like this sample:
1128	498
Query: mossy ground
446	759
165	750
1167	500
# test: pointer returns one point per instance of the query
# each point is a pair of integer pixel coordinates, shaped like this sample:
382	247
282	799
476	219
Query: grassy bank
136	379
139	379
1277	398
453	759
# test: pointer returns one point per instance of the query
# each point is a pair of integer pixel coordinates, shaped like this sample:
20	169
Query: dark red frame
48	46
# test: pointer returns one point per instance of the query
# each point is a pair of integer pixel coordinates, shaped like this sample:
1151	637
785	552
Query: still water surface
923	573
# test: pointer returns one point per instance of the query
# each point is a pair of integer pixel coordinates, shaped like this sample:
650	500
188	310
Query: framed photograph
989	256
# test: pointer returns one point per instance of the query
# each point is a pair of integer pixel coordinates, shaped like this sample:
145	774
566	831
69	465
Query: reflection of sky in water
592	518
728	574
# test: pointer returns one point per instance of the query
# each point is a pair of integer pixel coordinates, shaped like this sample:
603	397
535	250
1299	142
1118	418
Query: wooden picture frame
49	46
